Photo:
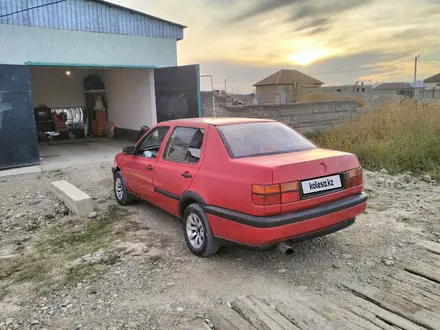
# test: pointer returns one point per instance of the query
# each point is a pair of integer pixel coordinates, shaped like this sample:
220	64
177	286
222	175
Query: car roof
218	121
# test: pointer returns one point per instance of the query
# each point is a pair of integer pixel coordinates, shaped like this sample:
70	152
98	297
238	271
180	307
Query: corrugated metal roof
90	16
288	77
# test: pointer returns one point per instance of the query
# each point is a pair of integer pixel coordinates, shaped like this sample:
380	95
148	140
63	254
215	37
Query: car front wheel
121	192
197	232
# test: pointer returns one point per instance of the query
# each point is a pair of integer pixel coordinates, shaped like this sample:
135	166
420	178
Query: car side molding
287	218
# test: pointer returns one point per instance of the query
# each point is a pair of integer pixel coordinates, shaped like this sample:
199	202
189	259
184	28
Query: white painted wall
51	86
131	97
21	44
432	85
130	93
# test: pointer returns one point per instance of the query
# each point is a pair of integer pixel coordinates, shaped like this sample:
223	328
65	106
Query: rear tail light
290	192
353	178
266	195
275	194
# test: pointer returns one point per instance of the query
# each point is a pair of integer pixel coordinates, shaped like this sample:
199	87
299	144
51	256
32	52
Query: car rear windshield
262	138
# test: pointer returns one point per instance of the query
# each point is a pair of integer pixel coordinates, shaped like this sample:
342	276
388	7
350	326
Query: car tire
121	193
197	232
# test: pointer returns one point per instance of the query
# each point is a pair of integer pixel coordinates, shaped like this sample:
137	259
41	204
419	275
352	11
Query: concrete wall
131	97
349	89
51	86
21	44
307	117
432	85
266	94
281	94
433	92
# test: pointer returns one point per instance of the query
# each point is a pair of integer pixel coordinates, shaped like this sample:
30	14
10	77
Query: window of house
363	90
185	145
151	145
357	90
339	90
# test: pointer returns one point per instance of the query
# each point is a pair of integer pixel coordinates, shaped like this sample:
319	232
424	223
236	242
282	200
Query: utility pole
225	86
415	75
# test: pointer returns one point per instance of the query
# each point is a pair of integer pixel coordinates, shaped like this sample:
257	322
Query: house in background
432	82
346	89
420	85
285	86
393	89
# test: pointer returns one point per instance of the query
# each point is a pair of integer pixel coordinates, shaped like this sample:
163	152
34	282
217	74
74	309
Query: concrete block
75	199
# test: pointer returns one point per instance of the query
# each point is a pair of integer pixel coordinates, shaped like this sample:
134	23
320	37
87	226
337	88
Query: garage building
77	68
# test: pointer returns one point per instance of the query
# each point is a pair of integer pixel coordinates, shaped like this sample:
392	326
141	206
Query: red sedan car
252	181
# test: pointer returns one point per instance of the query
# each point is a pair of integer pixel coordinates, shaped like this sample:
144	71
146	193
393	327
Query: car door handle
187	175
149	167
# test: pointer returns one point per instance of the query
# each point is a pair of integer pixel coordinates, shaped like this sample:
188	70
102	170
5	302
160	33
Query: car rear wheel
197	232
121	192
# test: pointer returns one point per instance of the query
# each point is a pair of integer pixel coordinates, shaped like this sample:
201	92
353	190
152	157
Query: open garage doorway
79	104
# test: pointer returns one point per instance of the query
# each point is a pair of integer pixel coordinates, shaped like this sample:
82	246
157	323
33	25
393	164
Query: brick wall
307	117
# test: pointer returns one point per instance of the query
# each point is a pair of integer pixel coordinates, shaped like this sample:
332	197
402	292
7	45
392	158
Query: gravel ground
129	268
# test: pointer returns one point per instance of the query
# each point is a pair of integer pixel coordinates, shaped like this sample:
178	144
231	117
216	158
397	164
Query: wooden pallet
401	298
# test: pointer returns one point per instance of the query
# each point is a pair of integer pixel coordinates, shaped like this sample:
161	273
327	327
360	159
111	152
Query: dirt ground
129	268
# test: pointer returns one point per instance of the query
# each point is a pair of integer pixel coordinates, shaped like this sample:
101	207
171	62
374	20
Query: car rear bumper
257	231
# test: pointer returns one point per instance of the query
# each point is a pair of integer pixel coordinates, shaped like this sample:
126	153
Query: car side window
150	146
185	145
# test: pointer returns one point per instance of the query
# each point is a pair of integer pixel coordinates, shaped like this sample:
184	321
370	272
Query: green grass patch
47	265
396	136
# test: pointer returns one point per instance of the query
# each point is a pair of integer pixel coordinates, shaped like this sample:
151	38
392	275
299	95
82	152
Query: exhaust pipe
284	248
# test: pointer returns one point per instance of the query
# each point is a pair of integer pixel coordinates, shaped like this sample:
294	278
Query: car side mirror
129	150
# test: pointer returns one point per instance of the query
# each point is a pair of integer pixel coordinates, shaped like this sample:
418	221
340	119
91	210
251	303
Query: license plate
321	184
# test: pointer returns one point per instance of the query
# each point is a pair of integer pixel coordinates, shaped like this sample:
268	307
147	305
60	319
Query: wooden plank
373	318
347	318
409	292
417	281
397	305
430	246
373	312
247	309
273	314
224	318
301	315
422	269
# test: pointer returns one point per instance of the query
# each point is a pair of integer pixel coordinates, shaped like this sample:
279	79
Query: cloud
262	7
313	23
299	9
249	39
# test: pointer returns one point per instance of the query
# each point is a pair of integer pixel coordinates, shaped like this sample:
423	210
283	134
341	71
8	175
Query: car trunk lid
320	173
303	165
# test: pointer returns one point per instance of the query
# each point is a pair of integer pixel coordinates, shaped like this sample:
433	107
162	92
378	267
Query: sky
336	41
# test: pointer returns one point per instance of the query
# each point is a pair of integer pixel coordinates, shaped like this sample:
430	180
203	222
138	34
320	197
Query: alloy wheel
119	188
195	231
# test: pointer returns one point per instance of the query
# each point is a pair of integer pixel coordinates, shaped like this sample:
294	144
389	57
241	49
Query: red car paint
223	186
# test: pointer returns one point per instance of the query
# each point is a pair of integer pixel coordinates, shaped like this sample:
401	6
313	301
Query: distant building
284	86
432	82
394	88
419	85
347	89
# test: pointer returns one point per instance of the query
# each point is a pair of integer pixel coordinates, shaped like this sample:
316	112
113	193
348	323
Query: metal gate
177	92
18	136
